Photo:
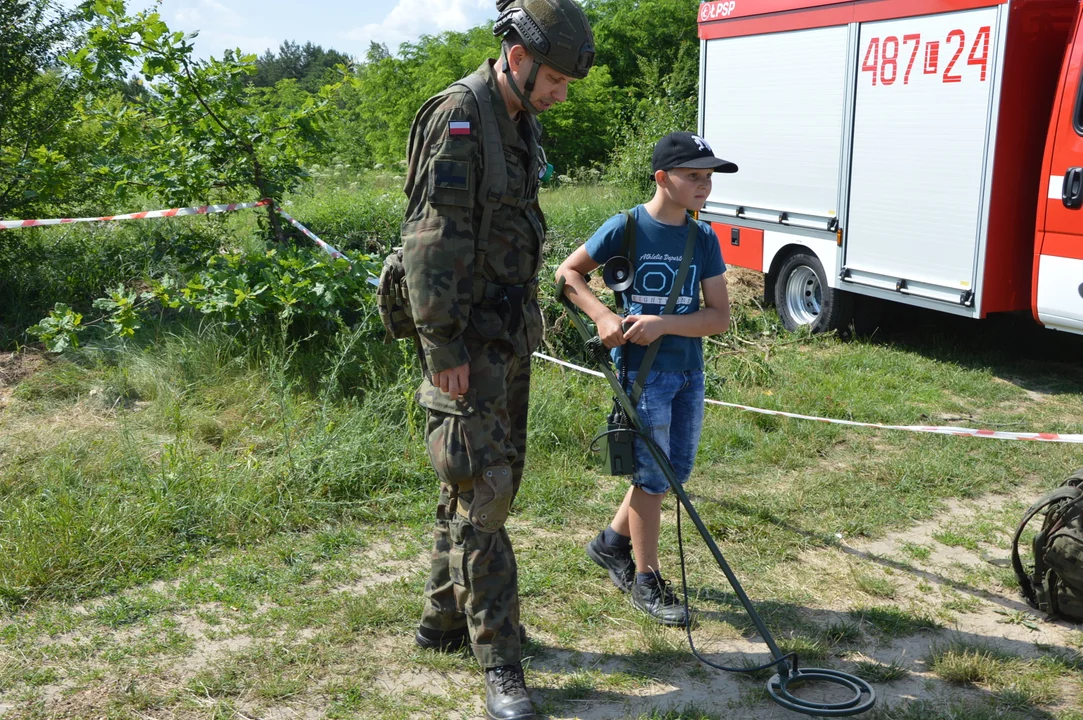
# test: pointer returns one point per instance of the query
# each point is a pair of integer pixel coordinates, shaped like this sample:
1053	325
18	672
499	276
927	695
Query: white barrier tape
584	370
173	212
933	429
335	253
327	248
181	212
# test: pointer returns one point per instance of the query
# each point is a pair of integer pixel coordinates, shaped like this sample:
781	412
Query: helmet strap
524	98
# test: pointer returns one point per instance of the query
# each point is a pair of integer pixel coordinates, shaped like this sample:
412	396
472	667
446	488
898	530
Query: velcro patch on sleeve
451	174
451	183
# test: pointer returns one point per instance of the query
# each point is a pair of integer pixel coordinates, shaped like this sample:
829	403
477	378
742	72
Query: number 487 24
885	59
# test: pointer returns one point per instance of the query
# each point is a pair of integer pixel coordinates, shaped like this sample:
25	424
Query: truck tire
802	297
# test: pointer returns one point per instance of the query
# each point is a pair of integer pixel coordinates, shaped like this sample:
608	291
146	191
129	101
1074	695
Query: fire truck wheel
802	296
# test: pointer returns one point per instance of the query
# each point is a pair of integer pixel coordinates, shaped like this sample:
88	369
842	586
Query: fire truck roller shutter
777	102
922	152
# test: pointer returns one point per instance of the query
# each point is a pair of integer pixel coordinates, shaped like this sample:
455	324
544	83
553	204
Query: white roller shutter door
921	129
774	105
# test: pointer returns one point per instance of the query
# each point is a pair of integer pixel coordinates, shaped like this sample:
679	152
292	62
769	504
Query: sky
345	25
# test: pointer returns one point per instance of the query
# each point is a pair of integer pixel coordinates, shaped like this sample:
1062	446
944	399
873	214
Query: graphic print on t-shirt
659	249
655	275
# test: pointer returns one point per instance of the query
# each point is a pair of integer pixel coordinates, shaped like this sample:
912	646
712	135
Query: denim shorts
672	406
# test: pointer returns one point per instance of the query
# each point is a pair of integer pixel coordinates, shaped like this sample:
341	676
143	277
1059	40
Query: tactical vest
392	297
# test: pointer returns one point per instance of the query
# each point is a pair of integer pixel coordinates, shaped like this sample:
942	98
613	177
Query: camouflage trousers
477	447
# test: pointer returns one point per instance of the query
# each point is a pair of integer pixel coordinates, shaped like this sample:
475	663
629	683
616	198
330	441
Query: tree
377	52
199	131
38	150
310	65
578	133
631	33
376	112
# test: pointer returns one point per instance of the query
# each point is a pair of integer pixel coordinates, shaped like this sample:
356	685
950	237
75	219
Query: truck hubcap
803	295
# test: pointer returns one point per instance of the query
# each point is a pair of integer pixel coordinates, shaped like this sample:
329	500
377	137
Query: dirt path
941	582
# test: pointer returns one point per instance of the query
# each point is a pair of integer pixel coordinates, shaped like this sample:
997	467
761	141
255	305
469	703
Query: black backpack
1055	585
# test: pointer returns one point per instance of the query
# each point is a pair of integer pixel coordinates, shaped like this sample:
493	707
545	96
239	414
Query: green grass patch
1017	683
125	610
894	622
917	552
874	584
841	633
960	602
687	712
875	672
395	605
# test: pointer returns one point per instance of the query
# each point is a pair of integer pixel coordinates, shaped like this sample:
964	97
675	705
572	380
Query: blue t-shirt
659	248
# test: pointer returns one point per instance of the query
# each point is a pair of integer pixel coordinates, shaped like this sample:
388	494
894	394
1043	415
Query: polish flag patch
459	128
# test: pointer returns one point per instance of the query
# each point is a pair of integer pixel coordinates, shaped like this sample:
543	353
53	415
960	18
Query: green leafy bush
364	215
253	291
630	165
74	264
60	330
248	288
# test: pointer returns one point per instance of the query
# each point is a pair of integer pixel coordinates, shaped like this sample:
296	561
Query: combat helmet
556	32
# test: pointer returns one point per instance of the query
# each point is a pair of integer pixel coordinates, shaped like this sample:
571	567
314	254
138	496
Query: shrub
303	289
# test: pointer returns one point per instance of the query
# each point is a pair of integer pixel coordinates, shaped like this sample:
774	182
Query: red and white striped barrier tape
181	212
933	429
335	253
329	249
174	212
326	247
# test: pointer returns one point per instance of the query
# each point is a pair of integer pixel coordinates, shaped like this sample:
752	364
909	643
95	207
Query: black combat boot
657	600
618	563
449	640
440	640
506	697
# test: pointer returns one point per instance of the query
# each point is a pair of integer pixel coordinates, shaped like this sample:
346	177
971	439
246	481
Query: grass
917	552
875	672
894	622
265	507
1017	683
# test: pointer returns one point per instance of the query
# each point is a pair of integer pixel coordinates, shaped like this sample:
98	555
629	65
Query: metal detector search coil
780	687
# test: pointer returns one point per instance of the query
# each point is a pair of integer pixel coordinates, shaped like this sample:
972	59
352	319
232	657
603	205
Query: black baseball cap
687	150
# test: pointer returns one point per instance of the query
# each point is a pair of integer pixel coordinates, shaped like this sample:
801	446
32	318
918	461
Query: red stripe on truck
741	247
787	15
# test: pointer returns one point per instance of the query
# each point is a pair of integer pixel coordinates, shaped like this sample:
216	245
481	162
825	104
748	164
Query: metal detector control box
617	448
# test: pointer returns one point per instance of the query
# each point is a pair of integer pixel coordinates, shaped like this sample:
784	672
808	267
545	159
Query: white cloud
410	19
208	13
220	28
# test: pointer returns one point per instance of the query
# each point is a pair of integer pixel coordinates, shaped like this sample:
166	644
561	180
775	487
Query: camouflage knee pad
494	490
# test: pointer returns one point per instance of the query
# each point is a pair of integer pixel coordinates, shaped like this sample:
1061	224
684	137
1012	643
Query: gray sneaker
659	601
618	563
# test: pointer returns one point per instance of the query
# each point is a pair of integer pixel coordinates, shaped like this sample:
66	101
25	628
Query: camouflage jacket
443	213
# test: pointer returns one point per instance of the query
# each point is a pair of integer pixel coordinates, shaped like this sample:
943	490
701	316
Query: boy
672	396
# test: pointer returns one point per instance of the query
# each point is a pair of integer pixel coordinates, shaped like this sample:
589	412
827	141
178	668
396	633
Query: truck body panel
908	134
1058	258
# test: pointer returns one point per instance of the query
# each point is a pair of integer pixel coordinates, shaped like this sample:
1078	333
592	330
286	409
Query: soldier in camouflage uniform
478	321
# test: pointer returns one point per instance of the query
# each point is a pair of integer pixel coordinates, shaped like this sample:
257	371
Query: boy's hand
645	329
610	331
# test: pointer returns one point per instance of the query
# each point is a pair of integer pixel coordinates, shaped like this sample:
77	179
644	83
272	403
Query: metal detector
790	675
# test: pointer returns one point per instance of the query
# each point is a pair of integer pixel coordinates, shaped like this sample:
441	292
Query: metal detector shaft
667	469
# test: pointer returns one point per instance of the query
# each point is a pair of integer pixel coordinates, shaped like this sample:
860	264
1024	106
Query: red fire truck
928	152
